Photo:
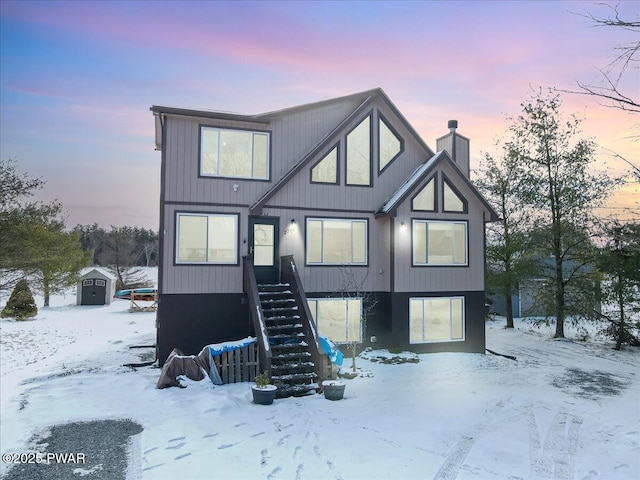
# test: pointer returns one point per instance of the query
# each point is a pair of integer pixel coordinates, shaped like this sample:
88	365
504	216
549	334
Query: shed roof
102	271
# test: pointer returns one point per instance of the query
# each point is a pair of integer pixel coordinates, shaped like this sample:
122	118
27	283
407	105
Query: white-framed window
335	241
338	319
326	170
436	319
359	154
438	242
207	238
234	153
100	283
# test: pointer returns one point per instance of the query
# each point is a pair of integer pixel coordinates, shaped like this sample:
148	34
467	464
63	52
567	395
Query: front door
263	247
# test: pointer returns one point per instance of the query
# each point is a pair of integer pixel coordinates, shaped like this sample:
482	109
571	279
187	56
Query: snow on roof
102	271
408	185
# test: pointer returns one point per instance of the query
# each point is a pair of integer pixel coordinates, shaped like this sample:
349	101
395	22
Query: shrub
21	304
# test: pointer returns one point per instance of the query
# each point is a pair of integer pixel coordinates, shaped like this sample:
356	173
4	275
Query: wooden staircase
287	337
292	368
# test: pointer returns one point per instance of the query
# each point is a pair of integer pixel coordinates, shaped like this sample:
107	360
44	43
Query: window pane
260	155
452	202
235	153
326	170
223	236
313	305
425	200
209	152
337	241
314	241
440	243
192	238
389	144
359	242
354	315
359	155
416	330
460	243
437	319
419	242
332	319
457	314
263	240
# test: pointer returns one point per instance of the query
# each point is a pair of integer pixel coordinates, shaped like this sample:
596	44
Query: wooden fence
239	365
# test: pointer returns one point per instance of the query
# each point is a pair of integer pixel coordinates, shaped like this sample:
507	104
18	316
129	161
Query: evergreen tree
620	262
558	183
21	304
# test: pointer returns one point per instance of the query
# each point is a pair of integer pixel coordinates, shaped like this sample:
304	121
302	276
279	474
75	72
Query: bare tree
625	58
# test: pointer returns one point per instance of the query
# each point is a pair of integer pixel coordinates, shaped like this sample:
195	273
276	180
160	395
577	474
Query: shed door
94	291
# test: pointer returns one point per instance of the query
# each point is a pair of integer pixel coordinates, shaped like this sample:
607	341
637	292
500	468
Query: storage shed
97	286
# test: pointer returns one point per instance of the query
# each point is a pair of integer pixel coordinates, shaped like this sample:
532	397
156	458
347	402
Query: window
326	170
436	319
359	154
390	144
439	243
336	242
338	319
425	200
234	153
205	238
452	201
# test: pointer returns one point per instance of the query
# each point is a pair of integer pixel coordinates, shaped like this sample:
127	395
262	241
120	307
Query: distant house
308	196
96	286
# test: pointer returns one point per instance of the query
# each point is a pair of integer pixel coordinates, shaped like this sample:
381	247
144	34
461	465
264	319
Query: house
341	197
96	286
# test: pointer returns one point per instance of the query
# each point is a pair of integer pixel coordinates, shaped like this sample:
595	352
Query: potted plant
263	391
333	389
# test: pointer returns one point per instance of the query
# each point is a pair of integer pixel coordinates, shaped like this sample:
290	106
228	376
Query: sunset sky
77	79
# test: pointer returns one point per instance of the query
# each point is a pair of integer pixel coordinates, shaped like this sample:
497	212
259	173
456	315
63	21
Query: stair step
285	357
275	293
290	346
292	366
279	301
297	390
281	318
268	287
284	326
280	309
284	336
294	377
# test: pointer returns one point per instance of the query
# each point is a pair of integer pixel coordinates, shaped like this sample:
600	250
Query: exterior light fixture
293	221
403	225
235	187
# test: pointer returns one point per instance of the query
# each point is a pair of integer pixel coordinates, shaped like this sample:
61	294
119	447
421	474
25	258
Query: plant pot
264	395
333	390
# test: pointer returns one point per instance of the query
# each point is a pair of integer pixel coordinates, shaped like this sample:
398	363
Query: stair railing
289	274
257	315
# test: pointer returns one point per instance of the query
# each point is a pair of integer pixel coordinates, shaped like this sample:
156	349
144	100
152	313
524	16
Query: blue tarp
331	350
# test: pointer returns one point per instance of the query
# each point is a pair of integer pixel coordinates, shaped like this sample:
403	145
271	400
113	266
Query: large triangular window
326	170
453	201
425	200
390	144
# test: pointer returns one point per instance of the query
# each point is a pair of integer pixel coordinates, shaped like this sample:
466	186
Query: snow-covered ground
563	410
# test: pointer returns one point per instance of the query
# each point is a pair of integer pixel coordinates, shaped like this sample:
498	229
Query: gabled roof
367	97
421	173
102	271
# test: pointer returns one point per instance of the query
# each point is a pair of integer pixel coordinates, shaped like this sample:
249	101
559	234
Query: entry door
263	247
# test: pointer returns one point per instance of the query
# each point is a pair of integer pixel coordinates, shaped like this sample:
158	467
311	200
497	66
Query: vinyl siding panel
409	278
301	192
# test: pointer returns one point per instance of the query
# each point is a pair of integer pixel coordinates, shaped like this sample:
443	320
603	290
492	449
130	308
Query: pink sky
77	78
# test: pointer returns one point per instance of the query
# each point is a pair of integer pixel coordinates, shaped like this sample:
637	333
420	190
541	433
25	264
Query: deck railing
257	315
